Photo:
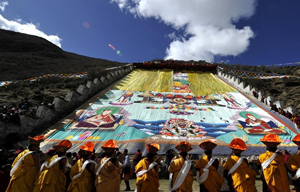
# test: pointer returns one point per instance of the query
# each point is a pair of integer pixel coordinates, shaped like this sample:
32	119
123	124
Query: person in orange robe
149	181
242	179
83	180
293	164
274	176
187	186
214	181
52	177
24	176
108	178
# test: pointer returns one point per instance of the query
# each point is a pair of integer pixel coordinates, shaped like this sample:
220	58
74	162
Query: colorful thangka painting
134	118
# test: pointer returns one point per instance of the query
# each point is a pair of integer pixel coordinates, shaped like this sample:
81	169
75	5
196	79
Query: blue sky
248	32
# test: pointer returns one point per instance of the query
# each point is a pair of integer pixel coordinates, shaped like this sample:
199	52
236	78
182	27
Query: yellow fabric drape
24	177
243	177
293	162
109	177
175	167
51	179
147	80
202	83
214	181
84	183
275	174
149	182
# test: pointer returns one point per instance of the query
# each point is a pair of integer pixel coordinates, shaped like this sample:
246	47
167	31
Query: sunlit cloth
202	83
145	80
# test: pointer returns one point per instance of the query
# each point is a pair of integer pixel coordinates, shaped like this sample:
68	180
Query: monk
293	165
210	180
25	168
108	170
52	176
181	163
82	173
146	170
239	176
274	175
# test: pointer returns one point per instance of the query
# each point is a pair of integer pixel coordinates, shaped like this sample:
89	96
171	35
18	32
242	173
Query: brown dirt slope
24	56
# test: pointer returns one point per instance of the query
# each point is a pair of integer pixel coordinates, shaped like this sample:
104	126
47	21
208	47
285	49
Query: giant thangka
166	107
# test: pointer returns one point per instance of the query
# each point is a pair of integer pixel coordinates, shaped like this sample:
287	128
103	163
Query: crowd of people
293	117
84	171
10	114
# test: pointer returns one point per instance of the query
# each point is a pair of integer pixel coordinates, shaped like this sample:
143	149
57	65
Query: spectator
169	157
126	170
137	157
285	154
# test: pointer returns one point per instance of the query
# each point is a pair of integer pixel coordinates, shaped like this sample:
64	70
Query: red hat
110	146
89	146
271	140
152	148
207	144
63	146
36	140
296	140
184	146
238	144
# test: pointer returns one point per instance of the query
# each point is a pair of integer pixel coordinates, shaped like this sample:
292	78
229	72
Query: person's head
34	143
86	150
183	154
152	150
184	147
283	151
110	147
208	152
138	150
237	152
69	154
237	146
85	154
208	146
271	149
125	152
74	154
34	147
62	147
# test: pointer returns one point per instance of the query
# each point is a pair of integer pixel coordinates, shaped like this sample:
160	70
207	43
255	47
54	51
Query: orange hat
63	146
110	146
184	146
296	140
271	140
89	146
207	144
238	144
36	140
152	148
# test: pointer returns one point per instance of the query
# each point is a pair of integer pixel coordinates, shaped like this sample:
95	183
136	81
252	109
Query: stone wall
48	115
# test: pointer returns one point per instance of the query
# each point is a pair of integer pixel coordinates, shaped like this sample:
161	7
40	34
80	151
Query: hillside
24	56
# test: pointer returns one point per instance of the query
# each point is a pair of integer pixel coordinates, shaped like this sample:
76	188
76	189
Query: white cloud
27	28
3	5
208	25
